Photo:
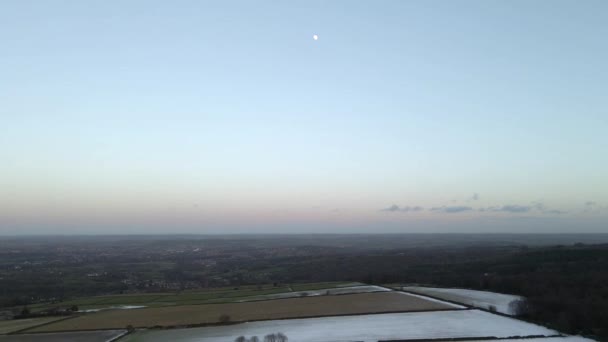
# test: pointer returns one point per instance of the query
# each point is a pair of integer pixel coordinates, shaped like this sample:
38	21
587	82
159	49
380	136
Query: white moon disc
315	37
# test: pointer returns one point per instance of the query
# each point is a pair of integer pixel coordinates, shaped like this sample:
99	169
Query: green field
80	336
320	286
208	296
13	325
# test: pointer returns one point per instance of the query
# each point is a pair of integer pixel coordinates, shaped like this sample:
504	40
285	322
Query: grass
224	295
273	309
80	336
319	286
13	325
189	297
137	299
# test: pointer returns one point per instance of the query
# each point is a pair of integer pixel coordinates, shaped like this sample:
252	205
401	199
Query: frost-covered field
331	291
420	325
480	299
544	339
80	336
456	306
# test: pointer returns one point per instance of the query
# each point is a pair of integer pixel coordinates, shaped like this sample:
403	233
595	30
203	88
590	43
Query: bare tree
254	339
240	339
519	307
270	338
281	337
224	318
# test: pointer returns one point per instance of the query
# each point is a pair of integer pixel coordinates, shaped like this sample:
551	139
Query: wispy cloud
509	208
590	206
514	208
533	207
594	207
555	211
452	209
519	209
396	208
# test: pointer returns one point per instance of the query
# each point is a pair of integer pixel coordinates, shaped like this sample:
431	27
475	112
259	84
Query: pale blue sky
226	116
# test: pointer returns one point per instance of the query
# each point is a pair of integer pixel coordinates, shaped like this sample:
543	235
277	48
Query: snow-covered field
331	291
456	306
419	325
544	339
479	299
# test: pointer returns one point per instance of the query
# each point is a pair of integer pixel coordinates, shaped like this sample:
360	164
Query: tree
74	308
270	338
240	339
519	307
25	311
492	308
224	318
278	337
254	339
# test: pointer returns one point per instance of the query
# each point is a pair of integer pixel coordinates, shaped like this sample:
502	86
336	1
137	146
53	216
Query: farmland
172	281
10	326
204	296
248	311
320	292
336	314
481	299
81	336
396	326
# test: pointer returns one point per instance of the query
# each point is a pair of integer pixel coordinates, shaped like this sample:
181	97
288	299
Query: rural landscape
303	171
307	288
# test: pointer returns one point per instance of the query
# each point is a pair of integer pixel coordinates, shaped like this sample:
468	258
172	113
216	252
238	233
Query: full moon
315	37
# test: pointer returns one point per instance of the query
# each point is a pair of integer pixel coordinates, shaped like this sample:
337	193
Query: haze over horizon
228	117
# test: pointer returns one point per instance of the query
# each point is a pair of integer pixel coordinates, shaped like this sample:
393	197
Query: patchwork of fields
397	326
11	326
249	311
209	296
502	303
80	336
321	312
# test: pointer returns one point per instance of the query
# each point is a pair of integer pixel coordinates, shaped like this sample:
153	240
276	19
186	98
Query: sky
228	117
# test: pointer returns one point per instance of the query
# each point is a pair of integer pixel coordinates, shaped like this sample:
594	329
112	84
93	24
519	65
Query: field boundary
443	300
482	338
159	296
127	332
215	324
21	331
471	307
254	300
